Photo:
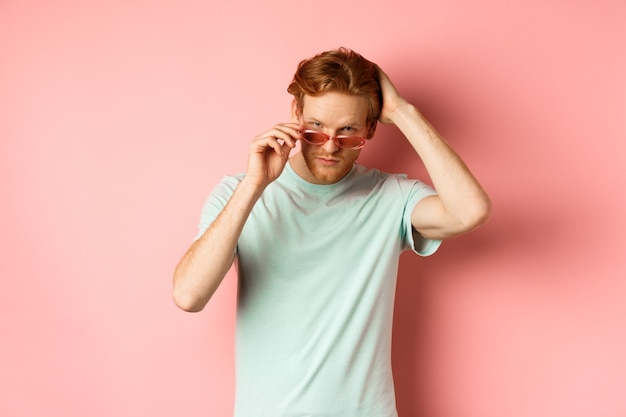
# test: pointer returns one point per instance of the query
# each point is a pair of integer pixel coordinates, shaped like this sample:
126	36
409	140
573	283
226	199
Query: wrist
403	112
251	185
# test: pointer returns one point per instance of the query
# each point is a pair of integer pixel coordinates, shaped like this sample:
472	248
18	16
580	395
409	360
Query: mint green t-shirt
317	267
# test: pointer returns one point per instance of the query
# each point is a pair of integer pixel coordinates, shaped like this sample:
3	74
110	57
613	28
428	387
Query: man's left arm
461	204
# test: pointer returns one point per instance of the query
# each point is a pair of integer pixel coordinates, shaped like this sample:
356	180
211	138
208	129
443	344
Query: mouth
327	161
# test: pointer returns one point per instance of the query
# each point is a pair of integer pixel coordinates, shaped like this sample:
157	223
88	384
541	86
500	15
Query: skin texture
460	206
334	114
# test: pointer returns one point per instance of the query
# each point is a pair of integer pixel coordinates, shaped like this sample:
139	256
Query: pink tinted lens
319	138
350	142
315	138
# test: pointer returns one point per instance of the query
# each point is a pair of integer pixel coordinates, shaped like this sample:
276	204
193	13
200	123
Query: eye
315	124
348	129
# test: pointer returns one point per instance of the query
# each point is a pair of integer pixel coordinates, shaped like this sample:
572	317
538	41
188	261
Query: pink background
117	117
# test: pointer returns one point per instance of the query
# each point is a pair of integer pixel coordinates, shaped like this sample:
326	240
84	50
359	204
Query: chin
330	175
322	174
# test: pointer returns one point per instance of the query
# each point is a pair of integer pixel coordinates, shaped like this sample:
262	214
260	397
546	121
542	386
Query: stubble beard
328	175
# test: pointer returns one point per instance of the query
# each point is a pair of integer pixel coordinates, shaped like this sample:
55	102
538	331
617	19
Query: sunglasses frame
335	139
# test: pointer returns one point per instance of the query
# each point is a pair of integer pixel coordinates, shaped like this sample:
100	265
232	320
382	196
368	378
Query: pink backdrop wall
117	117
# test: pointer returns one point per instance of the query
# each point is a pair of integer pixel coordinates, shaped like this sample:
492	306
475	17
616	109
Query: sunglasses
344	142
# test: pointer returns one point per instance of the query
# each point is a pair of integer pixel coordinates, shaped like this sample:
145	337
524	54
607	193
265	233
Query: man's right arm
206	262
209	258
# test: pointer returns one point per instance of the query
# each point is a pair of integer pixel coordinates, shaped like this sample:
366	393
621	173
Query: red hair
341	70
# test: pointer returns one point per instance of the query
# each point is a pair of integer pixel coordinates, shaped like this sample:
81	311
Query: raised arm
206	262
461	204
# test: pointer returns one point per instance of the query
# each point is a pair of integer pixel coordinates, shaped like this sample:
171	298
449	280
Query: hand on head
391	98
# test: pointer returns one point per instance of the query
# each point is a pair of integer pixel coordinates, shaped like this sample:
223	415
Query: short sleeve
414	241
215	202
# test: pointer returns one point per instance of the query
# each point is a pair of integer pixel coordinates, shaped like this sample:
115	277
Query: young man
317	238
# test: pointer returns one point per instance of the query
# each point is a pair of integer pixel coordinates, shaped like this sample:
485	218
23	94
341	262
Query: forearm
464	202
204	265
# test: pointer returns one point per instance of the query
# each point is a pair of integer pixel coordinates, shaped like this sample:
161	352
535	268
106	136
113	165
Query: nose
330	146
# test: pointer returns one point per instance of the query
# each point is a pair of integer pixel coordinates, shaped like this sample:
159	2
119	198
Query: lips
327	161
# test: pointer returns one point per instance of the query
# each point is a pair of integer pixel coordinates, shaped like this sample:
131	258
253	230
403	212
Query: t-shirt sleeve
413	240
215	202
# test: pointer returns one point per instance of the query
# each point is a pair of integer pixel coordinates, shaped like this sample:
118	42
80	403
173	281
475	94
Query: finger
275	142
278	146
287	132
270	142
289	137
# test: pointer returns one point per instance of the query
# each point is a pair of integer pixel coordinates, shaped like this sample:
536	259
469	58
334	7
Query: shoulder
228	184
388	180
362	173
221	192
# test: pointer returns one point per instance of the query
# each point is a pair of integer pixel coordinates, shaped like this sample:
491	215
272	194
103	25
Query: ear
295	111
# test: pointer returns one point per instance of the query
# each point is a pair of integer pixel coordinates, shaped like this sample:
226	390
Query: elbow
478	213
186	302
186	298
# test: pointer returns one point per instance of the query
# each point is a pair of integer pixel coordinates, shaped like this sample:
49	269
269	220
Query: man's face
334	114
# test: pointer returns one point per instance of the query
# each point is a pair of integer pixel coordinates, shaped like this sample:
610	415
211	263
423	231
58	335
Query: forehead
336	107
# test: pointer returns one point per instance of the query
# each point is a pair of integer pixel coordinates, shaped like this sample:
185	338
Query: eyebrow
353	124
